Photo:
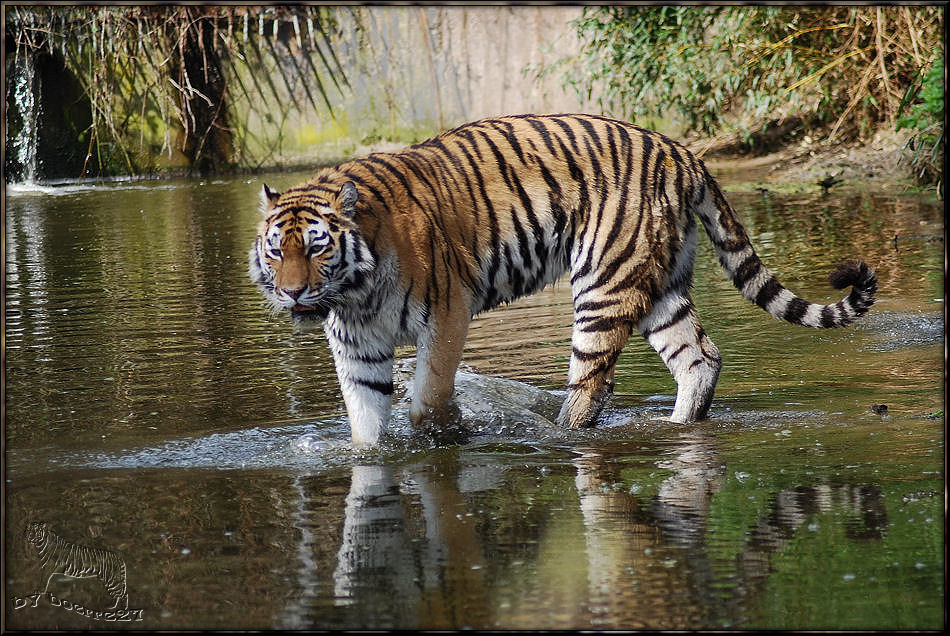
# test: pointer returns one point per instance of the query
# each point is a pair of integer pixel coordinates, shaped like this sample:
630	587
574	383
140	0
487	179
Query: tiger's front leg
438	354
365	371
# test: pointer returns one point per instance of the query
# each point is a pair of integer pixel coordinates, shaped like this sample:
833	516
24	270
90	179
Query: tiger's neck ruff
406	247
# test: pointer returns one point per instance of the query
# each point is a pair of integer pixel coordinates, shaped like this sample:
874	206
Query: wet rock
487	403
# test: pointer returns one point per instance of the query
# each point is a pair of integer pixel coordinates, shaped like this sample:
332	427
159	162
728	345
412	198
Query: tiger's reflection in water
662	547
414	551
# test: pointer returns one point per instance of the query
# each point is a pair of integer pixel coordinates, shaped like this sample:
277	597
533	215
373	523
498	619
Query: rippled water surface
159	416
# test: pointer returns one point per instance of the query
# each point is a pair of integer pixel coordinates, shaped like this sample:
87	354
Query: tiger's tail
753	279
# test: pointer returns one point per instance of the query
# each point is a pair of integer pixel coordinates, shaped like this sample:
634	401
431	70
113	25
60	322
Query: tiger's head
35	534
309	257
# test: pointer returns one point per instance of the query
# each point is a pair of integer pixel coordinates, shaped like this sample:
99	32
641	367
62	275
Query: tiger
78	561
406	247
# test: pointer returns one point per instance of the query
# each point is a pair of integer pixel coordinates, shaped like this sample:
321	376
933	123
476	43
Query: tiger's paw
665	418
442	426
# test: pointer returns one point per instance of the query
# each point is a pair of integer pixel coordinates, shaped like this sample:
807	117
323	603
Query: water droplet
310	443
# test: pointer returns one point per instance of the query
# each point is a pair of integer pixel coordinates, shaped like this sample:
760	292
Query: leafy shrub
925	149
743	67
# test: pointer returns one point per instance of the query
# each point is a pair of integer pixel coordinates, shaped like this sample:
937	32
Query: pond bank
798	167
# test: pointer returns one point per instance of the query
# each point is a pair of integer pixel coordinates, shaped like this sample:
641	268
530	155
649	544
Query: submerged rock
488	403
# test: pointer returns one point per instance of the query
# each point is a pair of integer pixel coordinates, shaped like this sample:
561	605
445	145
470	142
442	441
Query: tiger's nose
294	293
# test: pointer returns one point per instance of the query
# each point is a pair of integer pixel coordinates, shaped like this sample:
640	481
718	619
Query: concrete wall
414	71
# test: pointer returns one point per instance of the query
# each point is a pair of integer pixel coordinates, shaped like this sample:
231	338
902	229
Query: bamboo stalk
858	93
880	49
826	68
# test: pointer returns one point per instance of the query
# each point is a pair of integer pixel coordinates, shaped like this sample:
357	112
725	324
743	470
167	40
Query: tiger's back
506	205
425	238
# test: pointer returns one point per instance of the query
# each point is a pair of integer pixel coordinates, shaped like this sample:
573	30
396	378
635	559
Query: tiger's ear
348	197
268	199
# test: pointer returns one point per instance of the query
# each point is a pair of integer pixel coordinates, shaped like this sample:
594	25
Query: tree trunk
205	138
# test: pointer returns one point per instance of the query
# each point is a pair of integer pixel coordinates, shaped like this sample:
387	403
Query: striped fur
405	247
59	556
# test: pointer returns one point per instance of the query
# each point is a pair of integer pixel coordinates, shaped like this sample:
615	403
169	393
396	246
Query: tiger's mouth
309	312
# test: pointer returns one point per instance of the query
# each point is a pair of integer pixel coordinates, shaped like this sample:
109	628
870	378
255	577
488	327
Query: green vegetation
926	117
206	87
765	72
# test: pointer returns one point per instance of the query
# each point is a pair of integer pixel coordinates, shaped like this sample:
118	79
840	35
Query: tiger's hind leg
595	346
673	329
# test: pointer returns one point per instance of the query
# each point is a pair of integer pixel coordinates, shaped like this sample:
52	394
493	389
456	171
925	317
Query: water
24	96
157	411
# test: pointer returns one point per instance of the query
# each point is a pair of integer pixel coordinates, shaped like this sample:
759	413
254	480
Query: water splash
24	96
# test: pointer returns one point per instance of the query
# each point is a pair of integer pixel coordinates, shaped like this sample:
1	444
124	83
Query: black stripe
769	291
680	314
381	160
597	219
404	314
371	358
678	168
500	158
842	307
603	367
462	174
509	135
746	271
608	323
549	179
341	250
678	351
588	355
432	214
859	301
795	310
583	209
614	157
569	132
426	308
539	126
828	317
386	388
594	162
469	136
515	279
493	229
591	133
445	172
617	228
594	305
624	185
